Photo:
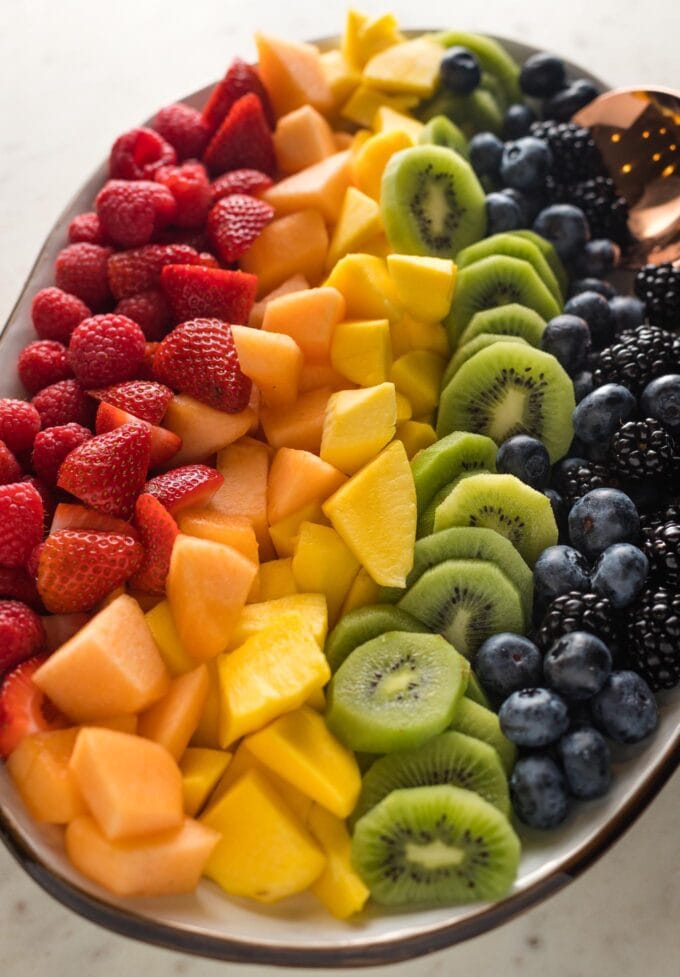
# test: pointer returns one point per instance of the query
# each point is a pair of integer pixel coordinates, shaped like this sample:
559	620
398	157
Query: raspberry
56	314
82	270
106	349
138	270
42	363
64	403
190	187
137	154
48	500
131	211
21	633
21	522
240	181
86	227
17	584
184	128
150	310
146	369
235	222
10	469
19	424
52	445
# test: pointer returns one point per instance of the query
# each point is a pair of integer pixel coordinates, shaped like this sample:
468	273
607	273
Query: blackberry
662	547
642	449
659	288
575	611
638	356
575	156
576	476
653	625
650	522
606	211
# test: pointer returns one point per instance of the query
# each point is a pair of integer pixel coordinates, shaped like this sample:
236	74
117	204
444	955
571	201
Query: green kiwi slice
514	247
431	202
446	459
509	320
466	601
493	59
509	389
463	353
441	131
435	846
361	625
479	111
475	692
425	525
549	253
505	504
395	692
476	720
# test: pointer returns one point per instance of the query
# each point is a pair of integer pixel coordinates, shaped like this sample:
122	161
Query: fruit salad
339	528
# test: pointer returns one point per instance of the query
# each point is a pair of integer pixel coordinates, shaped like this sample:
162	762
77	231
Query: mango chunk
277	580
294	244
323	563
387	120
203	429
415	436
338	887
358	221
341	76
357	425
285	533
365	36
300	804
162	627
424	285
292	74
256	617
368	289
207	732
39	766
319	187
364	102
201	770
301	138
373	157
420	334
297	478
404	409
173	720
418	376
309	318
362	351
411	67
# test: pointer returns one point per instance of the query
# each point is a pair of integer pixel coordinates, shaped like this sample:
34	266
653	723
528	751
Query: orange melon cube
39	766
203	429
297	478
293	74
297	426
272	361
162	864
173	721
319	187
123	724
295	243
110	666
296	283
131	785
277	580
235	531
314	376
309	318
302	138
244	466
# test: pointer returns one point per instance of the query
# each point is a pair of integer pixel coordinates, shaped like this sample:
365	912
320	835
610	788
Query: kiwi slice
463	353
435	845
511	320
476	720
504	503
466	601
509	389
360	625
446	459
450	758
466	543
493	59
514	247
395	692
425	525
479	111
431	202
475	692
441	131
549	253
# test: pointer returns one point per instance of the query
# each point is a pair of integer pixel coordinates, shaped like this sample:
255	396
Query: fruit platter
339	508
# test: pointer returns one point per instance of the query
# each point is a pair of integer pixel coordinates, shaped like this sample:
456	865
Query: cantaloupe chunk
272	361
323	563
126	723
243	761
131	785
417	375
411	67
362	351
207	587
257	617
110	666
365	101
277	580
203	429
358	221
293	244
173	720
297	426
244	466
309	318
370	162
302	137
292	74
284	534
368	289
387	120
297	478
318	376
415	436
201	770
235	531
364	590
162	626
357	425
207	732
296	283
425	285
318	187
342	77
39	766
339	887
166	863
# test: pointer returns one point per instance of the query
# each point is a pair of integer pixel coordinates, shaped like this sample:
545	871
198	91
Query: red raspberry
17	584
51	447
21	633
131	272
48	500
82	270
240	181
42	363
235	222
137	154
184	128
19	424
86	227
10	469
64	403
56	314
190	186
192	237
106	349
150	310
131	211
21	522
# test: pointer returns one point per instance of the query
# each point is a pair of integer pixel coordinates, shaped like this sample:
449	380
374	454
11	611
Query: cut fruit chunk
357	425
364	102
473	719
285	533
508	320
256	617
550	255
201	769
297	478
173	720
441	131
362	352
207	732
514	247
309	318
416	436
364	590
388	119
293	74
320	187
298	426
338	887
368	289
164	633
277	580
302	137
424	285
358	222
451	456
365	36
39	766
202	429
417	375
272	361
296	283
234	531
295	244
363	624
412	66
372	158
323	563
244	467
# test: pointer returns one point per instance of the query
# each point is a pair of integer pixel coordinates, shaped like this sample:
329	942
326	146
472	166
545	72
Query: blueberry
627	312
599	257
586	761
594	308
592	285
577	665
538	792
459	71
625	708
502	214
559	509
485	151
599	414
601	518
569	100
565	227
507	662
542	75
517	121
558	570
620	573
523	201
526	458
661	399
583	385
525	163
567	337
533	717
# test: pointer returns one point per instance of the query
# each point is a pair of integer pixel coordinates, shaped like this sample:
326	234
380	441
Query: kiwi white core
434	855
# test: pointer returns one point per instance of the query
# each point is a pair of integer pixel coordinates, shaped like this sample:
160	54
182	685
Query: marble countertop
73	75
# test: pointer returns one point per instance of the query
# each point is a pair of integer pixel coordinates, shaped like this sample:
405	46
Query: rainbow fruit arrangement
308	365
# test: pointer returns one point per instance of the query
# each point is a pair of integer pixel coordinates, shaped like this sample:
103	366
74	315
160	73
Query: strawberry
108	472
82	270
146	369
199	358
240	79
235	222
164	444
21	522
64	403
247	181
184	128
17	584
19	424
51	447
106	349
185	486
21	633
191	190
10	469
194	292
131	211
86	227
131	272
60	627
24	709
42	363
150	310
137	154
145	399
68	515
243	139
56	314
157	533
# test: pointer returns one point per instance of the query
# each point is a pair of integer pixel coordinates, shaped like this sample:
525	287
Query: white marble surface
73	74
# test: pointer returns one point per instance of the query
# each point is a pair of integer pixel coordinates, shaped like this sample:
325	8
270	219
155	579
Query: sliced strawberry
240	79
108	472
164	444
60	627
79	568
185	486
157	533
247	181
17	584
138	270
195	292
236	222
70	516
21	633
145	399
243	140
24	709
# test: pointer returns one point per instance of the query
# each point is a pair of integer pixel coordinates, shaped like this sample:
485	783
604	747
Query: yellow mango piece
256	617
404	409
375	514
358	222
301	138
203	429
296	283
272	672
317	700
285	533
373	157
400	336
201	769
293	74
309	318
323	563
418	376
341	76
264	851
378	246
300	748
368	289
300	804
424	285
319	187
207	732
357	425
162	627
294	244
364	590
362	351
365	101
173	720
387	120
277	580
39	767
338	887
365	36
431	336
349	42
411	67
415	436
